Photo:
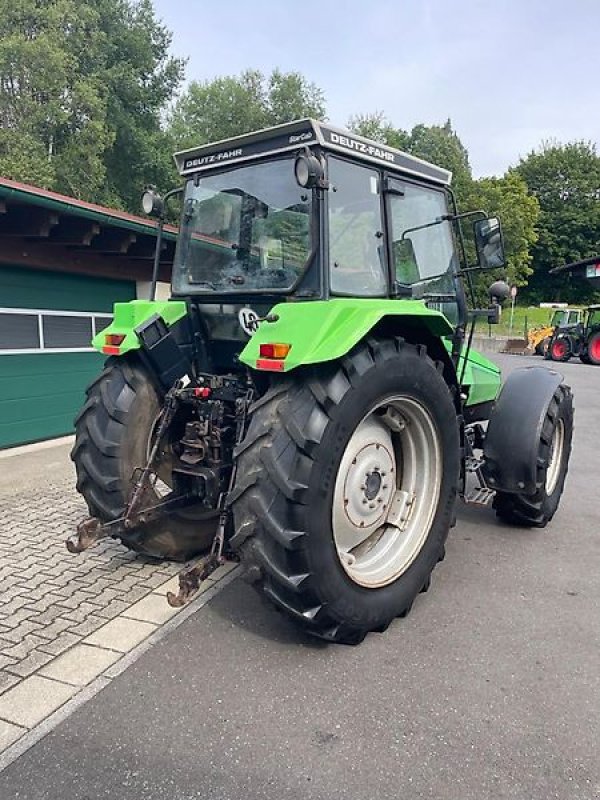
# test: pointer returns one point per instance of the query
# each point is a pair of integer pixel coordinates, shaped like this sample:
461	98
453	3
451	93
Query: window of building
25	330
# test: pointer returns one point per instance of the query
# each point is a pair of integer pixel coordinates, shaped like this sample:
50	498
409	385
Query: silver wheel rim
555	458
386	491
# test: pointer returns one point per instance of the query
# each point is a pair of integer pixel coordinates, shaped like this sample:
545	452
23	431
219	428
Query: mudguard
131	315
324	330
513	435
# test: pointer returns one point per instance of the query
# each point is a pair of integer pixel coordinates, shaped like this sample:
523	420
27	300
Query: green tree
235	104
565	179
82	89
439	144
508	199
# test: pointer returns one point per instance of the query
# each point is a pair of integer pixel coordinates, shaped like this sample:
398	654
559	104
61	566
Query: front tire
113	433
561	349
309	529
552	458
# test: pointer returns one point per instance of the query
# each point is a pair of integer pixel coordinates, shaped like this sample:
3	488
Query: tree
82	89
439	144
565	179
508	199
235	104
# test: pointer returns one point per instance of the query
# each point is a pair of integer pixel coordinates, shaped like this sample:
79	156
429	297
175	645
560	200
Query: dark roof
292	136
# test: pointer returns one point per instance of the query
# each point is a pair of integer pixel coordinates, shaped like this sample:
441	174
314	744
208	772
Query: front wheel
552	459
348	481
561	349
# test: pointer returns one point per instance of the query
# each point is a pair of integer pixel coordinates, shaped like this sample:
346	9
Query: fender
512	440
324	330
131	315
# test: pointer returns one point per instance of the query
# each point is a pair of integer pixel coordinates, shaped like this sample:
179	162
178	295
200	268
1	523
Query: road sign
513	292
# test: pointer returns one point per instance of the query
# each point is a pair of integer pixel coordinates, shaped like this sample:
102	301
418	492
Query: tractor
308	402
581	340
539	338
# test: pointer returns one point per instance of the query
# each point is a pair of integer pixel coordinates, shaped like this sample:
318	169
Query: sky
509	74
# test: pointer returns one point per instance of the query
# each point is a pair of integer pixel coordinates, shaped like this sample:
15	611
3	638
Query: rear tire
112	435
552	458
593	349
296	457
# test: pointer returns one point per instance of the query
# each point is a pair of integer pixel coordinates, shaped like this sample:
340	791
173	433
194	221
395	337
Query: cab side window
356	243
428	252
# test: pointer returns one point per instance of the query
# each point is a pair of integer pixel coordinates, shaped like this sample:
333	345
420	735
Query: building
63	263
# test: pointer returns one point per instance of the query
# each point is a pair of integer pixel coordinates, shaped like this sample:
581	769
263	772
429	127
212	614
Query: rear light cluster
272	356
274	350
112	343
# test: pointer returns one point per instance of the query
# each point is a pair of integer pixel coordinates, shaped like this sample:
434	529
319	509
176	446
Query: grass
524	317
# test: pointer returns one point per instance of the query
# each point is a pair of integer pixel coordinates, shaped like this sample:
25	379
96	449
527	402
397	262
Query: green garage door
46	323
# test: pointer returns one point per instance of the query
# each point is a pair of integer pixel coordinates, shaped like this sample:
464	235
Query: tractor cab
304	211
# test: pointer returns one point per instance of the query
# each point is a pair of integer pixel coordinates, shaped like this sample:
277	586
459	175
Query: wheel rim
386	491
555	458
559	350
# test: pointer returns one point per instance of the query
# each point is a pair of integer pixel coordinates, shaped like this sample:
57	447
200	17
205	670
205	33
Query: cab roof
293	136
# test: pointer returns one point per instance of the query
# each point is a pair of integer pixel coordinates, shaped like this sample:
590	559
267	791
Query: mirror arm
464	215
159	232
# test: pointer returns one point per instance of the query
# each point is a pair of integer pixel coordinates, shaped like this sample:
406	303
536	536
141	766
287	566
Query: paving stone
15	619
16	635
25	646
45	602
80	665
7	680
121	634
113	609
152	608
33	699
77	615
60	644
55	628
30	664
91	624
9	733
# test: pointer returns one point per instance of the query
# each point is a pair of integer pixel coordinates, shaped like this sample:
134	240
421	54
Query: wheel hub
373	484
369	482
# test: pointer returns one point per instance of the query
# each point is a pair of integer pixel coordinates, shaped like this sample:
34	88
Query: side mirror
489	243
152	203
405	262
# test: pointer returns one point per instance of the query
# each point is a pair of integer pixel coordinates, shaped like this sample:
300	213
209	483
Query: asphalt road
489	689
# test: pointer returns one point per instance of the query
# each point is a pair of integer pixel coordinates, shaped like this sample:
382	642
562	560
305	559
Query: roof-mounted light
152	203
308	170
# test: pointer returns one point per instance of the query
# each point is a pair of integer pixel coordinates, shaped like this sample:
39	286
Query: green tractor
308	402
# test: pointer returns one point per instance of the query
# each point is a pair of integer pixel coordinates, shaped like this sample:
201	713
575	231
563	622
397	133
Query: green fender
323	330
127	317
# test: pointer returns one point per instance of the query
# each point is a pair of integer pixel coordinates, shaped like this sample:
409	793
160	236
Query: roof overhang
46	230
293	136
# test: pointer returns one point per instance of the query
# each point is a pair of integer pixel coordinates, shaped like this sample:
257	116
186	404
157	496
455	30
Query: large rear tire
593	349
552	458
113	433
348	478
